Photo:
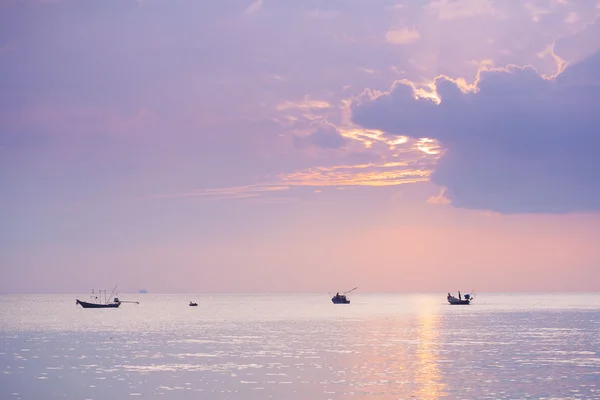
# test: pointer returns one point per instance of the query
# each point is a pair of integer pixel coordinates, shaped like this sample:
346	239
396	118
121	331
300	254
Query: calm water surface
382	346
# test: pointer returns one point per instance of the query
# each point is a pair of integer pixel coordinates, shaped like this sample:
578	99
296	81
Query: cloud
305	104
385	174
580	44
403	36
440	198
455	9
537	12
325	136
382	174
572	18
514	141
370	136
254	7
236	192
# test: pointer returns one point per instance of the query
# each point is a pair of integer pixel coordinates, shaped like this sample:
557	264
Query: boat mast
113	292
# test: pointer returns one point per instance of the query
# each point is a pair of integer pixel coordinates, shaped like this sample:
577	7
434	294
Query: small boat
100	300
460	300
193	304
341	298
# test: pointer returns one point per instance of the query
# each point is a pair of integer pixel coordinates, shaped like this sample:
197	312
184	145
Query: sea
301	346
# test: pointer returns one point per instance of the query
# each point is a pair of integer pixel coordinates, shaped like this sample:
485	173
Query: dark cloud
518	144
580	44
325	136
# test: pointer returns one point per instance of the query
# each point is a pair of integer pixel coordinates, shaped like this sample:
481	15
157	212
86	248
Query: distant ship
341	298
143	291
100	300
456	301
192	304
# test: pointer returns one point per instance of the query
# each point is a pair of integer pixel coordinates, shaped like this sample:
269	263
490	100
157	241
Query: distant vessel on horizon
143	291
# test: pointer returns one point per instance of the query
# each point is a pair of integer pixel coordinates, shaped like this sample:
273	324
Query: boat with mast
341	298
101	300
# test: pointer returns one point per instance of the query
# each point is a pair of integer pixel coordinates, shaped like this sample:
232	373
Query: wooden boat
100	300
341	298
193	304
86	304
460	301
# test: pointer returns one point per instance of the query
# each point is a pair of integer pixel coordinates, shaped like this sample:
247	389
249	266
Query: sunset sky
314	145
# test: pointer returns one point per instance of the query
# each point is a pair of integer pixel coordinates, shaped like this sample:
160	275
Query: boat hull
459	302
85	304
338	301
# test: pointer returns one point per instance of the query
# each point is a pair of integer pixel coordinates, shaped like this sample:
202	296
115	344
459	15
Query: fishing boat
101	300
193	304
342	298
460	300
87	304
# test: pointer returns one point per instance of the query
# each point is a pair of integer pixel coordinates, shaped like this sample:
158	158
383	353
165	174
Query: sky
239	146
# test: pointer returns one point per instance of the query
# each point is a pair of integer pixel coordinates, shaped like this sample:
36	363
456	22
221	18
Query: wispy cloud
370	136
254	7
560	63
324	136
428	146
235	192
487	62
402	36
386	174
305	104
440	198
368	71
572	18
395	173
455	9
537	12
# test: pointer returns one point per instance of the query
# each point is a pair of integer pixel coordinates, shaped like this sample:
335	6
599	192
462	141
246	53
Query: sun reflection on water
427	369
398	357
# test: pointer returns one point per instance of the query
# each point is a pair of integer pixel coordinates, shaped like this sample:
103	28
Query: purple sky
239	146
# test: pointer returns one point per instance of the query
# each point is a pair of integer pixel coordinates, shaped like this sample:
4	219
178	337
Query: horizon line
308	292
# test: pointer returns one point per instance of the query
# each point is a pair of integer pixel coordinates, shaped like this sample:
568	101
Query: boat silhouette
101	300
342	298
460	300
